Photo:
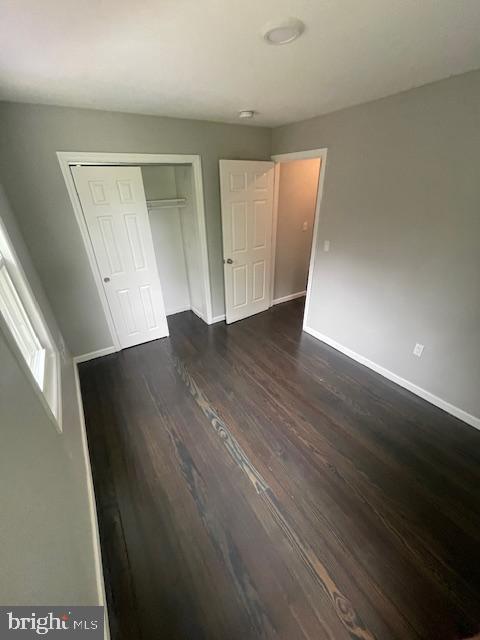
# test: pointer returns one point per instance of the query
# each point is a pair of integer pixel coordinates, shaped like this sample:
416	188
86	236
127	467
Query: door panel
247	205
137	250
115	210
240	286
261	219
239	226
259	280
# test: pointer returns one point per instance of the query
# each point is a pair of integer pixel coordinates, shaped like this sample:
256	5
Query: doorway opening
270	214
296	196
142	221
171	204
299	181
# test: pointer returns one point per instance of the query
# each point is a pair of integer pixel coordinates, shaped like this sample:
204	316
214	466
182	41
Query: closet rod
166	203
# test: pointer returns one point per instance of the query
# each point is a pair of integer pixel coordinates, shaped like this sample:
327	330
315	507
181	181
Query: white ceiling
206	58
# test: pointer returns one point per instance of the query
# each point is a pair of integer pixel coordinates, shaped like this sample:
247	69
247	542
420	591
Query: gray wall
297	196
30	135
159	181
45	529
401	208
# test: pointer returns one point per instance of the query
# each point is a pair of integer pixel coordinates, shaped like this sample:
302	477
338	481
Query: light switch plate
326	245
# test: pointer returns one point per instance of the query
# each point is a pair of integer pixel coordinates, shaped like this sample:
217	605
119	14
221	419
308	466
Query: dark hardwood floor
252	483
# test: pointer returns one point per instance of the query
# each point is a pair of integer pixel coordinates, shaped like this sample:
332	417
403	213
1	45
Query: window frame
46	375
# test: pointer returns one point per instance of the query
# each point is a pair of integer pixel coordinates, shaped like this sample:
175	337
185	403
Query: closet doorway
142	220
171	204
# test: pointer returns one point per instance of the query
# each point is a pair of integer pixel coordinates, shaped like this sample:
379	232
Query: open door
115	211
246	189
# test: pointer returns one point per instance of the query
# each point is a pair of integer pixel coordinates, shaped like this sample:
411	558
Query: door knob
229	261
106	279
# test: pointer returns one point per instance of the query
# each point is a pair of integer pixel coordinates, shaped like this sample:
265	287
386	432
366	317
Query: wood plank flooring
254	483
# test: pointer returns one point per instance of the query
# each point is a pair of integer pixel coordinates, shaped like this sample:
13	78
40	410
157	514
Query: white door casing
246	189
116	215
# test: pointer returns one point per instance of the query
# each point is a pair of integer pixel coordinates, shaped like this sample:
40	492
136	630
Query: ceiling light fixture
246	114
283	32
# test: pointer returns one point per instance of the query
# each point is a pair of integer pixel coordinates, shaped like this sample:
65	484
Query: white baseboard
406	384
171	312
94	354
202	317
198	313
97	552
292	296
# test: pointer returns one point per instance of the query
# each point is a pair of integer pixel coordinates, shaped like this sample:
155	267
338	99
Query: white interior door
246	188
115	210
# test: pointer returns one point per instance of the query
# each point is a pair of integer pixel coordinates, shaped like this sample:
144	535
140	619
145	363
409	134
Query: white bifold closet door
246	189
115	211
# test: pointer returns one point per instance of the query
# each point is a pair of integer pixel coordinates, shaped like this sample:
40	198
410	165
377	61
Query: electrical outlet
305	226
418	350
326	245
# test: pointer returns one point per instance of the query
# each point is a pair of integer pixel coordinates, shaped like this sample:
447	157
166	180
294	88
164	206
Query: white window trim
48	359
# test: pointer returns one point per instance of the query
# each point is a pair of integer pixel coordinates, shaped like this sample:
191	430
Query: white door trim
288	157
68	158
276	191
300	155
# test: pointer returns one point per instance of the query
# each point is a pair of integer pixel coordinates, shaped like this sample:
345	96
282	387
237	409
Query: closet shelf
167	203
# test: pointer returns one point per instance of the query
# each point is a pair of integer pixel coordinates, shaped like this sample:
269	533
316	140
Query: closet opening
142	221
171	204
